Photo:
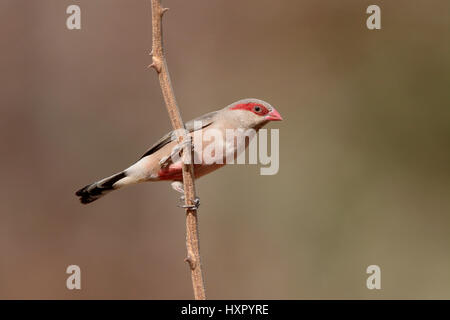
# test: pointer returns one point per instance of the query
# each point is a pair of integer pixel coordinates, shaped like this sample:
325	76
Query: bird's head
252	113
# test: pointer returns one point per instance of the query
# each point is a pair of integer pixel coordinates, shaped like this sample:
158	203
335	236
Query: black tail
92	192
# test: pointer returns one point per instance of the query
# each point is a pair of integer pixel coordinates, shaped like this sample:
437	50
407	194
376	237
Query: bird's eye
257	109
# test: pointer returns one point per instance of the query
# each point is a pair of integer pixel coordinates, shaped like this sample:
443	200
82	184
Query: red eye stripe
251	107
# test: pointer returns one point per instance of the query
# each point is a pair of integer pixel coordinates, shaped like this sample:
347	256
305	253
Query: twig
160	65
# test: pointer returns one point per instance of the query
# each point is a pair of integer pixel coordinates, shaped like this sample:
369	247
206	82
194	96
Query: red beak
274	115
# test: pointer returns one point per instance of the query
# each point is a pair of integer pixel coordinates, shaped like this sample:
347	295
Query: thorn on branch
190	261
164	10
156	64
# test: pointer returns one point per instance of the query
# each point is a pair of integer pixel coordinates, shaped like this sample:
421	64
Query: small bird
157	163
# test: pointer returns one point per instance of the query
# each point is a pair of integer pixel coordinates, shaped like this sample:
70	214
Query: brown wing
206	120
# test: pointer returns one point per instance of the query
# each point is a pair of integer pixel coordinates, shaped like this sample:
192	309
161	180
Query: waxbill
156	164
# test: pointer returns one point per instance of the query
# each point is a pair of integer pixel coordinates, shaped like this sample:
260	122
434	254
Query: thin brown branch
160	65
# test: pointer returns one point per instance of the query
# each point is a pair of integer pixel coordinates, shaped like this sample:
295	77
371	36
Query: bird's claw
164	161
195	206
177	150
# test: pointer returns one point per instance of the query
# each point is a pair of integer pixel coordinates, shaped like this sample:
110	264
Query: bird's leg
178	186
164	162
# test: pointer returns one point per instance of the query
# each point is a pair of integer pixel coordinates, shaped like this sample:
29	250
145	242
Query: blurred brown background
364	167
